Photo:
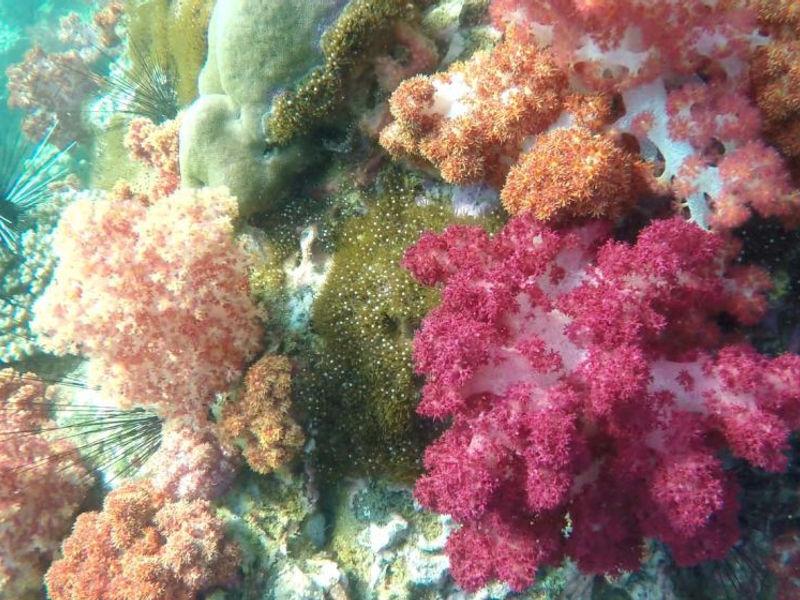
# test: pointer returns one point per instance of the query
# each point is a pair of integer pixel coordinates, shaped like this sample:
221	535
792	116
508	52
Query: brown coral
142	546
573	173
775	76
259	420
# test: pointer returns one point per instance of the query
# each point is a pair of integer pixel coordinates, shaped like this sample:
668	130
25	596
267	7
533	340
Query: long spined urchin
27	174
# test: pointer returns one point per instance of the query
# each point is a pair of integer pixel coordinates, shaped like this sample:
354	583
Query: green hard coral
363	388
362	29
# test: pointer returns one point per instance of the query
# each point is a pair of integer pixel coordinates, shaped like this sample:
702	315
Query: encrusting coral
156	296
361	30
38	496
144	545
590	391
259	419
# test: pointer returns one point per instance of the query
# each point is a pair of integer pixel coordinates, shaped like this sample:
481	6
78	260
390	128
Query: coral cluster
51	87
591	391
680	72
156	296
38	496
259	419
144	545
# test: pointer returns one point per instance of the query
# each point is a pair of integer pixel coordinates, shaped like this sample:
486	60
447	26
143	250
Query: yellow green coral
363	389
358	33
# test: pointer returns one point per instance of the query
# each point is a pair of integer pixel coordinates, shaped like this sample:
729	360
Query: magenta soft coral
588	377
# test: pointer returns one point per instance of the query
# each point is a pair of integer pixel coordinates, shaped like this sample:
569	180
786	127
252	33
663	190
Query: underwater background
399	299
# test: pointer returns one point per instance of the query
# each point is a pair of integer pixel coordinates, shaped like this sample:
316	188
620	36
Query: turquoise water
231	325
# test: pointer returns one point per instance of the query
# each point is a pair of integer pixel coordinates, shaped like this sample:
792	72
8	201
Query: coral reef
38	497
697	133
144	545
592	379
155	296
259	419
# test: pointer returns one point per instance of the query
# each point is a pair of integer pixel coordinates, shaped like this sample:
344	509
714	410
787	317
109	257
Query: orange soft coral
573	173
470	121
38	495
259	418
143	546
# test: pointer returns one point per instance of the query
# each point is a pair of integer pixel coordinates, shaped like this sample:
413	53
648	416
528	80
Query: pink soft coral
591	379
191	463
156	148
617	44
155	296
38	495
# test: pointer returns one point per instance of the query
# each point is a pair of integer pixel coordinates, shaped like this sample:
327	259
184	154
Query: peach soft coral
156	296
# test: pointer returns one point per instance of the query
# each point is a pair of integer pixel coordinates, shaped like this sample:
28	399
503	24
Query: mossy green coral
174	34
358	33
362	389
